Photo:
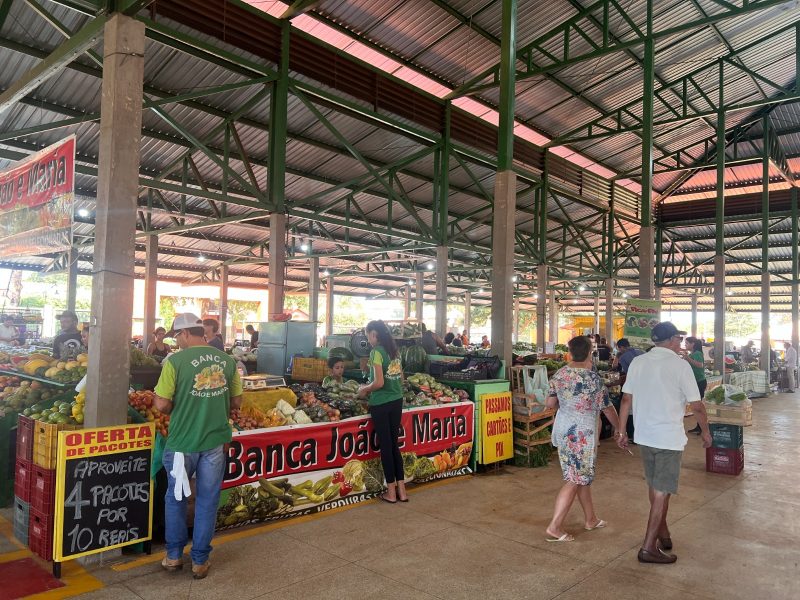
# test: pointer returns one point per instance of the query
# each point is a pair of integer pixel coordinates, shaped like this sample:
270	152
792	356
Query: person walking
385	393
198	388
625	355
696	360
579	394
213	337
659	386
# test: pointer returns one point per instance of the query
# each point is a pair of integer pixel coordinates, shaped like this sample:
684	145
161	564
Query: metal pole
277	263
597	315
313	290
407	303
553	337
515	337
694	315
610	310
795	274
720	298
468	312
150	296
765	278
505	192
541	307
646	289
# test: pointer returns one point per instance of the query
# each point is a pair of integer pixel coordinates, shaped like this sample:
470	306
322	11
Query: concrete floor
483	537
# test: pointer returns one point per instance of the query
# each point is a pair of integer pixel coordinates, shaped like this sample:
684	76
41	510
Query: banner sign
104	494
285	472
497	429
640	318
36	202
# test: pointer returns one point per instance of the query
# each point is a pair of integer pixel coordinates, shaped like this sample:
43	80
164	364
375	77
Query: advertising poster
285	472
36	202
104	494
497	429
640	318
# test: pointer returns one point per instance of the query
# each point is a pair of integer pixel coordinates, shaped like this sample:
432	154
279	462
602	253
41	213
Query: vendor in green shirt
335	371
385	392
696	359
198	388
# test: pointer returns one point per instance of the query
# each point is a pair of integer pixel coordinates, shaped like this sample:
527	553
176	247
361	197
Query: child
336	367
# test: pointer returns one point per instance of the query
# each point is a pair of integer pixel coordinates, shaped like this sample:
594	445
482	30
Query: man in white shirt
790	358
659	386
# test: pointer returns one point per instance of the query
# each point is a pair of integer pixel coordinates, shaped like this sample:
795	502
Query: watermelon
414	359
343	353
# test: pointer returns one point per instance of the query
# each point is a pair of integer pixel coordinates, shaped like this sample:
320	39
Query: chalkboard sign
104	495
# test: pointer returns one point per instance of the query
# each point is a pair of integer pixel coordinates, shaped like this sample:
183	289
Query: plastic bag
535	378
735	396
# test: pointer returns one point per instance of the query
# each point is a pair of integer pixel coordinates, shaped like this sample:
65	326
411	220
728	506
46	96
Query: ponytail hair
385	338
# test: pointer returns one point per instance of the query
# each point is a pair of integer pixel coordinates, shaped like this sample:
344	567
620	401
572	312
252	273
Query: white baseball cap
184	321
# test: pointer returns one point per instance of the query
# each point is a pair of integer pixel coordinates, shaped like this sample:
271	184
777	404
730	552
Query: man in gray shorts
659	386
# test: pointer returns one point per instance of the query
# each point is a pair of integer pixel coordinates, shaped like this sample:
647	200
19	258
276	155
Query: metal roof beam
59	58
609	13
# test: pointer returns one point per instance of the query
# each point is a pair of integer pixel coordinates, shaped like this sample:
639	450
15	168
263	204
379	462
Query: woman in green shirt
385	391
697	361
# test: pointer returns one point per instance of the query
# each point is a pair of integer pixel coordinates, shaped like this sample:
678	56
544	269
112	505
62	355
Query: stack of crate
532	428
726	454
43	487
23	471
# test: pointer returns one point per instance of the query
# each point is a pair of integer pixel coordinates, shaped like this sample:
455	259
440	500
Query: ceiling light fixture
480	291
410	282
515	279
82	212
582	288
304	247
430	266
624	294
201	258
326	273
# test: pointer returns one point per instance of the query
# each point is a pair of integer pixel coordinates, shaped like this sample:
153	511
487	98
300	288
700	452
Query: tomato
338	477
345	488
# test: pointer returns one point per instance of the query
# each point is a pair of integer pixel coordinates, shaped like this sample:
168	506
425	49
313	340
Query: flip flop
600	525
385	499
403	500
564	538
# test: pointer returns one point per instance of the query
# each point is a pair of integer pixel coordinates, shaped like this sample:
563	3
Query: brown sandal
660	557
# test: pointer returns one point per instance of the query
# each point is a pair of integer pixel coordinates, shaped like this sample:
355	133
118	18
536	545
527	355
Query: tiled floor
483	537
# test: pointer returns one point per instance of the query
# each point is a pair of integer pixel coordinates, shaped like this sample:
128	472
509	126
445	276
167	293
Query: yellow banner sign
497	429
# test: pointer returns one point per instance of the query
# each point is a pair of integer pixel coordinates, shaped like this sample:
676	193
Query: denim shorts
662	468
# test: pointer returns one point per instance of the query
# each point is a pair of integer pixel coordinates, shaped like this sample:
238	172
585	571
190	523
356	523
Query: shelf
44	380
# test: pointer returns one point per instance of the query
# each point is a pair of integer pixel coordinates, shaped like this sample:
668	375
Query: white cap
185	321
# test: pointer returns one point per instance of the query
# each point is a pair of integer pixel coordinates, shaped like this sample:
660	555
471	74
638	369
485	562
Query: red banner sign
36	202
289	450
294	471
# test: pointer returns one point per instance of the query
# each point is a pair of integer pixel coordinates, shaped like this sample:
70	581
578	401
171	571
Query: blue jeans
208	468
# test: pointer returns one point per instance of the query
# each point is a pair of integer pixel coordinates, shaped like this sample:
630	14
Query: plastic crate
43	490
468	375
309	369
727	436
725	461
40	534
22	515
23	478
25	437
45	442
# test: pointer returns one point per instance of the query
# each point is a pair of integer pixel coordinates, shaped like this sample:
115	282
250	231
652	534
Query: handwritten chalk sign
104	495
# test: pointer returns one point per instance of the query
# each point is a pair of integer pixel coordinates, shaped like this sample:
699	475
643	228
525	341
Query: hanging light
82	212
304	246
201	258
326	273
582	288
575	301
430	266
624	294
729	292
515	279
535	296
480	291
410	282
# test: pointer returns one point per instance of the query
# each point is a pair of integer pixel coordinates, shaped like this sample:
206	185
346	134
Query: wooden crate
731	415
527	428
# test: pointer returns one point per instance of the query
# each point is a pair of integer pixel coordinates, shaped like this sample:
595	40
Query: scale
262	382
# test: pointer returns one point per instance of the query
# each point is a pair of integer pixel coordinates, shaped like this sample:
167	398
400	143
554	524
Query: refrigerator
278	341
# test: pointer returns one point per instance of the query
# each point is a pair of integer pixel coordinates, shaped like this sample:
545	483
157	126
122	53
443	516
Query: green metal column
277	177
441	218
505	190
720	297
765	278
795	274
646	254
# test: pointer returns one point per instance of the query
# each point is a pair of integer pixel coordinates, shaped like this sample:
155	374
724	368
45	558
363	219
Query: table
753	383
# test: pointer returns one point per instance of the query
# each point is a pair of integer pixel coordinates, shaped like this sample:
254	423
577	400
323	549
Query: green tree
740	325
242	310
349	312
168	308
297	301
480	315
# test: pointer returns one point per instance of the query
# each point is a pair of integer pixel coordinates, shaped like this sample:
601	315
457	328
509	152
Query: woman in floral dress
579	394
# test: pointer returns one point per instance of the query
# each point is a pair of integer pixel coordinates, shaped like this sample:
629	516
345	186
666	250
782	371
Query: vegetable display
424	390
142	402
405	330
